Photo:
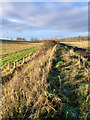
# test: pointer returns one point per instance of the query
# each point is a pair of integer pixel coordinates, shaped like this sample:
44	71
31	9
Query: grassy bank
70	83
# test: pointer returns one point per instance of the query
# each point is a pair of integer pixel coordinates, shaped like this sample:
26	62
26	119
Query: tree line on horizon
24	39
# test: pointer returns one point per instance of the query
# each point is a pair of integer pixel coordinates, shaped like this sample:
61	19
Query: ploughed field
51	84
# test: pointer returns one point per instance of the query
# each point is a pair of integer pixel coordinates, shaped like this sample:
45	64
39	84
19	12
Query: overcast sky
44	19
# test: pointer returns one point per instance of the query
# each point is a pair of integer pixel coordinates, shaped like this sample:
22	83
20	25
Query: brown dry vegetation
53	85
26	90
81	44
75	39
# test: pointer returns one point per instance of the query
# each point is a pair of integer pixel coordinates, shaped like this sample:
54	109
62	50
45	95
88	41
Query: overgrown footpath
69	82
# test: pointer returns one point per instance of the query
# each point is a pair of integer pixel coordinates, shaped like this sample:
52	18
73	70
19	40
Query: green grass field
18	55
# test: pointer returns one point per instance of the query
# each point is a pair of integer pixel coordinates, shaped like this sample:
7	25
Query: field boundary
18	66
81	51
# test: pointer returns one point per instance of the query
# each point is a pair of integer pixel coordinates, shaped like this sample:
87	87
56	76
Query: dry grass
75	39
82	44
35	92
75	82
26	92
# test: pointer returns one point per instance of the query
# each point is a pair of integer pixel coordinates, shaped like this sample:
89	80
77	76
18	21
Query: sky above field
44	19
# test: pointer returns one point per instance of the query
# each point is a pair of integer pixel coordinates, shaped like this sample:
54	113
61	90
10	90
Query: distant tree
19	39
31	39
24	39
34	39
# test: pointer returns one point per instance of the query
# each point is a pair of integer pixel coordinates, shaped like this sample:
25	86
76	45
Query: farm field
81	44
52	85
16	51
44	60
10	58
75	39
11	47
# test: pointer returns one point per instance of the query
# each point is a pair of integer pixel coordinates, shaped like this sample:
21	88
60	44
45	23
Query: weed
67	79
78	76
60	63
62	75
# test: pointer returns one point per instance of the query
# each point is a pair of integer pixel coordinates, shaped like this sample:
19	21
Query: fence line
17	63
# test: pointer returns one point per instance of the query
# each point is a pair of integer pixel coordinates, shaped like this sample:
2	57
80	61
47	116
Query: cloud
66	17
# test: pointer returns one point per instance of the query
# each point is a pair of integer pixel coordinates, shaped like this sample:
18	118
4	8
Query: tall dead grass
25	95
80	44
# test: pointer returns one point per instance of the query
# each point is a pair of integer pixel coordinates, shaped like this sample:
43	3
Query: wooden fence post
43	79
79	61
69	53
84	61
49	60
23	60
